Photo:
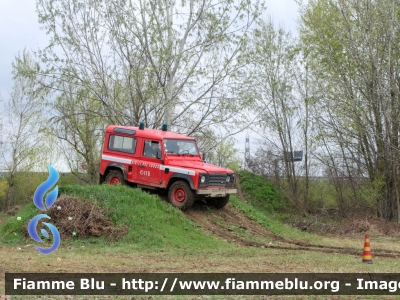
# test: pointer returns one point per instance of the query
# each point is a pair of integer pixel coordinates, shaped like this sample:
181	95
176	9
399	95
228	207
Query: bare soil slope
232	225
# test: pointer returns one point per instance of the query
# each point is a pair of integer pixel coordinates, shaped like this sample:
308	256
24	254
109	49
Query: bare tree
353	55
153	61
157	62
80	131
271	82
25	147
225	154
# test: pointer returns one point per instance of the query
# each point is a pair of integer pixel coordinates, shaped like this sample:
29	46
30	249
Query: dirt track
231	225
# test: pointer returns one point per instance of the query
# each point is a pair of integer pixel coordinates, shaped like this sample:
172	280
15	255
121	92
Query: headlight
228	178
202	179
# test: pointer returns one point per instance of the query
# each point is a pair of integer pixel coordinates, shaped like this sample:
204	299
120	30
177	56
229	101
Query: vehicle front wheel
218	202
180	195
115	177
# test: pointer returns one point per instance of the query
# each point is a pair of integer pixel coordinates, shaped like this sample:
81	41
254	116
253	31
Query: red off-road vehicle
163	160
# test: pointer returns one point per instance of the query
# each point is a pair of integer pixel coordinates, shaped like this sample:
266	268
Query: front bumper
216	193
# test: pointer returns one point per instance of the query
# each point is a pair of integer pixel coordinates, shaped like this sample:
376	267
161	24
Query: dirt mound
75	217
375	226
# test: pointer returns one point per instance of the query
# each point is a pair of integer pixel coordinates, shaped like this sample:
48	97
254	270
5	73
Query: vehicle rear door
122	149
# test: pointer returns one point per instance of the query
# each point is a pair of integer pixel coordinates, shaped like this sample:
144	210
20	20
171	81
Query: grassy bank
151	222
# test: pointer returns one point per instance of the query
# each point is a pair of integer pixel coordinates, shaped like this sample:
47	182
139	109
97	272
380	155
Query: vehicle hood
199	165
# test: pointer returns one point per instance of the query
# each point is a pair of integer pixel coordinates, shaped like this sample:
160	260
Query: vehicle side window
122	143
151	148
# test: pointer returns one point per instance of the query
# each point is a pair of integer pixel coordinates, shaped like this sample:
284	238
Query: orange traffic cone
367	254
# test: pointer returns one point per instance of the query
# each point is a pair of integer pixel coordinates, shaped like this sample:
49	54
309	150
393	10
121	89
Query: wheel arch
114	166
182	177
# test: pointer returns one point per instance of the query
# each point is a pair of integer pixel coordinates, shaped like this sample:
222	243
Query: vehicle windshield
180	147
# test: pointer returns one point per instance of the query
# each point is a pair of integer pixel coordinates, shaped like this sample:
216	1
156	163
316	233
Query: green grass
261	193
273	224
12	229
162	239
321	193
152	222
268	221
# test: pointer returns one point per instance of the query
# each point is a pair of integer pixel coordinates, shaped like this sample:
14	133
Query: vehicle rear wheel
180	195
218	202
115	177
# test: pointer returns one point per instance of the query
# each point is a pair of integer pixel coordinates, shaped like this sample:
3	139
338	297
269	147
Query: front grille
217	180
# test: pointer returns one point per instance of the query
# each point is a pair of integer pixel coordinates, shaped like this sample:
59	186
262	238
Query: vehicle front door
149	172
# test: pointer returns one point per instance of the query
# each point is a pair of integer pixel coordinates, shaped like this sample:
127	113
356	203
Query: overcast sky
19	29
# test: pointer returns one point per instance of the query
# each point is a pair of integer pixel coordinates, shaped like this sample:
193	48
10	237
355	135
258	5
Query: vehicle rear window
122	143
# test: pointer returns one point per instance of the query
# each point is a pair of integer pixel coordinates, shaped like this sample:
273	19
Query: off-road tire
115	177
180	195
218	202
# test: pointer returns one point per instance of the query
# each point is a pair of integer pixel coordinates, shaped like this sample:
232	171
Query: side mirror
204	157
158	154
